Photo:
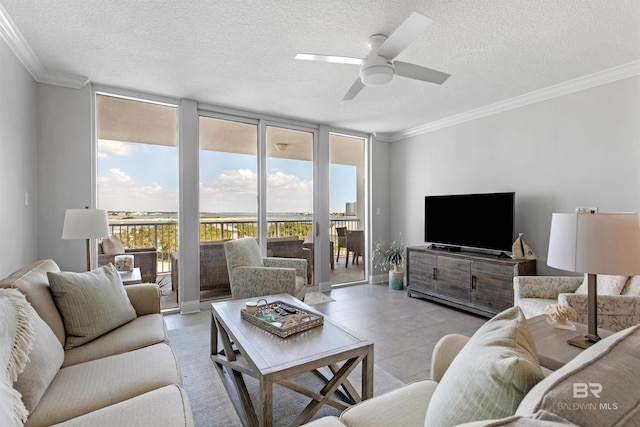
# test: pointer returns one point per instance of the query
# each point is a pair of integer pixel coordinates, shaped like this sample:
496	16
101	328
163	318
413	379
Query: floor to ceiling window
228	196
137	181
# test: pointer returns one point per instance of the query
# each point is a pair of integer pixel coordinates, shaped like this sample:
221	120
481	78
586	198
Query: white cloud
237	191
117	191
108	148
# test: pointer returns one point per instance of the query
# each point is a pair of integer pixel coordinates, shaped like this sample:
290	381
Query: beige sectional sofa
128	376
493	379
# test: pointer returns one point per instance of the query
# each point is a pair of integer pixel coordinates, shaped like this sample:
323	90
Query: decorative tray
282	319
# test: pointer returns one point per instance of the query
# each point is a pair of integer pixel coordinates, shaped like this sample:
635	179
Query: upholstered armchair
618	306
251	275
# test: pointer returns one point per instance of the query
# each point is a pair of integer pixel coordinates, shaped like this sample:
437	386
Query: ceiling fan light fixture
376	75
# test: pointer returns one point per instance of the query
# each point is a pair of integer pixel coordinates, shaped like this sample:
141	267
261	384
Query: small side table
551	343
131	277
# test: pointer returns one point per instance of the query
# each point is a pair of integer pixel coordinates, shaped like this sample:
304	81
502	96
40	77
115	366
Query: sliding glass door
137	183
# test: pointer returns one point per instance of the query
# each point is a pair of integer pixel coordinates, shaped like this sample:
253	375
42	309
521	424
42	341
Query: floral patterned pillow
607	285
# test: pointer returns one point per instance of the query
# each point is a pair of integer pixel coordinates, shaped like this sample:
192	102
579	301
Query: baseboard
324	286
187	307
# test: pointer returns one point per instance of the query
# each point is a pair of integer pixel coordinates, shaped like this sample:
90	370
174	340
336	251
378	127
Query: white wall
379	211
65	169
577	150
18	157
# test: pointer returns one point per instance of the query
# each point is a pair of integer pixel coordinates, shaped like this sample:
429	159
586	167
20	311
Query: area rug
212	406
315	298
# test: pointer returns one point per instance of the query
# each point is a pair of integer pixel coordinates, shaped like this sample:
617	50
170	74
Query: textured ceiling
240	53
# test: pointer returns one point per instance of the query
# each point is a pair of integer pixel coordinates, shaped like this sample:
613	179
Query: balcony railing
163	234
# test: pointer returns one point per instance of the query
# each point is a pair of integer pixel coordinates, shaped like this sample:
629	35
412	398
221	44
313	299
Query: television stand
472	281
446	248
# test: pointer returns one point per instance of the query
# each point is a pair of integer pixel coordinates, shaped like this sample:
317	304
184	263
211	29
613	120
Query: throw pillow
632	287
607	378
606	284
490	375
112	246
16	337
45	360
91	304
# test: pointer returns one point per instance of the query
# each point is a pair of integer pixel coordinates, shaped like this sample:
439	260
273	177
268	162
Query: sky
143	177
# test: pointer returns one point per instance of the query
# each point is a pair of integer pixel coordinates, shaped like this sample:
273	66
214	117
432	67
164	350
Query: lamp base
584	341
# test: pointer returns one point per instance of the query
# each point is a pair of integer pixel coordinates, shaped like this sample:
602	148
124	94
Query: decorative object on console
594	243
124	262
521	250
390	256
85	224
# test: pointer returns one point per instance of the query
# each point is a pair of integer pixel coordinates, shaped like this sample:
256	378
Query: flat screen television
482	221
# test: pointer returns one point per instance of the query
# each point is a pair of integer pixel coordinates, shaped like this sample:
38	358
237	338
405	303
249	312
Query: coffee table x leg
231	364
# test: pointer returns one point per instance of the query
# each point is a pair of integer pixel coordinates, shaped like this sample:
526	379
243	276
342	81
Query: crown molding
23	52
592	80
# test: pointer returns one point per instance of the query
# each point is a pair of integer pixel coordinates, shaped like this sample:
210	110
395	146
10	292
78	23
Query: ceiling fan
379	66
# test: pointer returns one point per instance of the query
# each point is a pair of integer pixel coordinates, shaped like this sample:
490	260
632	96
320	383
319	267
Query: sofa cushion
79	389
600	373
490	375
606	284
32	281
45	359
112	246
16	338
141	332
91	303
539	419
166	406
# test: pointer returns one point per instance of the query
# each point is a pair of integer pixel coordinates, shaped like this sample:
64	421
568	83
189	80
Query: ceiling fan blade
404	35
329	58
355	88
413	71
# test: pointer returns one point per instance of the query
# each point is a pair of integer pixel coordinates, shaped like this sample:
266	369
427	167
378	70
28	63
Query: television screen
483	221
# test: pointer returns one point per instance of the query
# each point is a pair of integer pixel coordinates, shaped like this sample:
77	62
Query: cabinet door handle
435	273
473	282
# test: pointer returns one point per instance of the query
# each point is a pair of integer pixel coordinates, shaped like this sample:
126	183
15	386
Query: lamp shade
85	224
599	243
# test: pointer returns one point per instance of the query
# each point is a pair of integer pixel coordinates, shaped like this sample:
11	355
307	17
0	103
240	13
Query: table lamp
85	224
594	243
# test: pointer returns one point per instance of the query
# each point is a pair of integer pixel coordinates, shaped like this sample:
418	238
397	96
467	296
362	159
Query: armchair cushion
606	284
91	303
243	252
490	375
112	246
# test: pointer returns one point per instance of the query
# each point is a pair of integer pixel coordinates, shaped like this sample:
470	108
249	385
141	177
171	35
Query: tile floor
404	330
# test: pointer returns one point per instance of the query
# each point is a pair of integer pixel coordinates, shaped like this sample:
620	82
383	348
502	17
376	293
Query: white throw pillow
606	284
489	376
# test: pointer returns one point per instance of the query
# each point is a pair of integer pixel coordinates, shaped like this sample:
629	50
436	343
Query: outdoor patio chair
252	275
355	243
342	240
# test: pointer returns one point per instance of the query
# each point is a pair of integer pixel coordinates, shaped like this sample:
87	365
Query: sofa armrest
299	264
445	350
257	281
144	297
405	406
546	287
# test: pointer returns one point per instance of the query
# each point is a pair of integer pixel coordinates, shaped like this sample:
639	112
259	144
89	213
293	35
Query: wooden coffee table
551	343
240	348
